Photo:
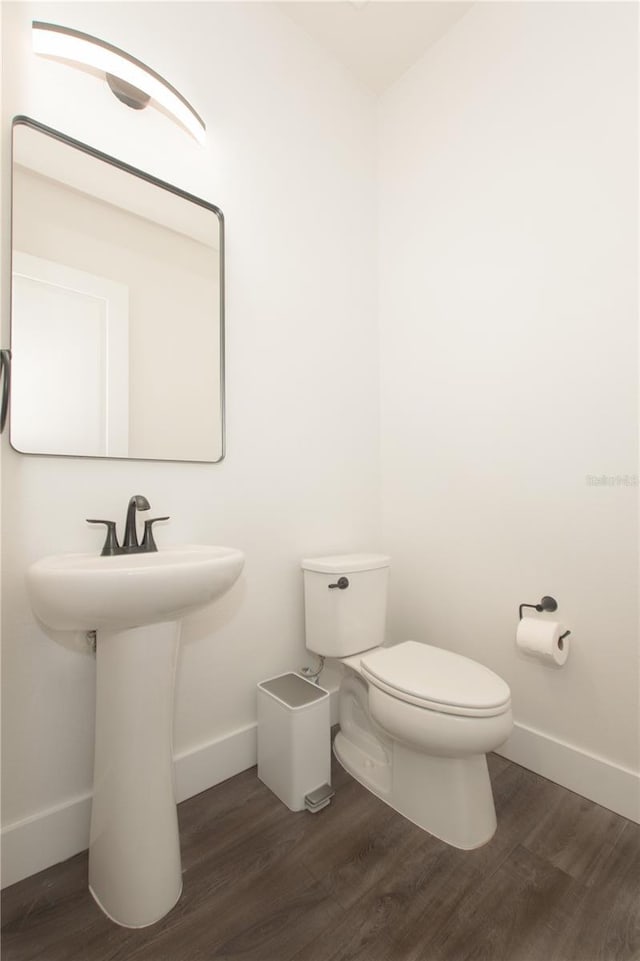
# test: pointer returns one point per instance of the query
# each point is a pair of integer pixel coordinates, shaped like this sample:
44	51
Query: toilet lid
437	679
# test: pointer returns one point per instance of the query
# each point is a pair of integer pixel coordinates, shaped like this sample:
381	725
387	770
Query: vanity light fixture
131	81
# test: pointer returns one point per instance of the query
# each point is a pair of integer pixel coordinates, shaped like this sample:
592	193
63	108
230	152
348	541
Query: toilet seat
436	680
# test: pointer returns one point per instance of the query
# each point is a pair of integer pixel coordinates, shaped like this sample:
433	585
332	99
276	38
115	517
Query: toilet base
450	798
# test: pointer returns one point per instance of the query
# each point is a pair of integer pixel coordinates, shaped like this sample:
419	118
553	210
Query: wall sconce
131	81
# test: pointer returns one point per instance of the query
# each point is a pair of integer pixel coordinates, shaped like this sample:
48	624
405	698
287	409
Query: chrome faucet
130	545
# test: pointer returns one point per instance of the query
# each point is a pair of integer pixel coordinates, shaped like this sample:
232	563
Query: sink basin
135	603
86	592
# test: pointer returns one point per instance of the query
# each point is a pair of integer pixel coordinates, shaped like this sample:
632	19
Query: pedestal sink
135	603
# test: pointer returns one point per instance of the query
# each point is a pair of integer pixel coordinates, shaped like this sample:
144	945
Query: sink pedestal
134	855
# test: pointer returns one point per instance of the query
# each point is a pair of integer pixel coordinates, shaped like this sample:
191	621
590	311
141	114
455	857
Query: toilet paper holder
546	604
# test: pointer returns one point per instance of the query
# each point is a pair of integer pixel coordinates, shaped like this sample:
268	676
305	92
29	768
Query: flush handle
343	583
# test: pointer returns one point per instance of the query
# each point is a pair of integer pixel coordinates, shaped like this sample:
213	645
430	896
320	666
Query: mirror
117	308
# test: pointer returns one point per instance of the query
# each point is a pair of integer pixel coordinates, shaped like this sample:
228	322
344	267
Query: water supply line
311	674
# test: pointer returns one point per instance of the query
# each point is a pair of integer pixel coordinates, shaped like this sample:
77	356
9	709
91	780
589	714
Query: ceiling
376	40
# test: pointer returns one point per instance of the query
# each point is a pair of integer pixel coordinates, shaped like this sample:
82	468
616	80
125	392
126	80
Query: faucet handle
148	542
111	545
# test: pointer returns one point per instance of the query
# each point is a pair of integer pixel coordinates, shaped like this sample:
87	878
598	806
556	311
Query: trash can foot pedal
319	798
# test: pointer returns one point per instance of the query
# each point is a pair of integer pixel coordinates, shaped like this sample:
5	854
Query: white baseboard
611	785
204	766
37	842
50	836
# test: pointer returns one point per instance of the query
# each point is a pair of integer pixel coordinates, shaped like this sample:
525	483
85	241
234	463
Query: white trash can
294	741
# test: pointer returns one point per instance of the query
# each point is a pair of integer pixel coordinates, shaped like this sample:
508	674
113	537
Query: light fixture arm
126	93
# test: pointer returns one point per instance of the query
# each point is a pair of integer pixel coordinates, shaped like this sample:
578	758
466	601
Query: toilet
416	721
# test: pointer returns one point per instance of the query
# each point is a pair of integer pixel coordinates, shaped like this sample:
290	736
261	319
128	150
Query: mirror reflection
117	329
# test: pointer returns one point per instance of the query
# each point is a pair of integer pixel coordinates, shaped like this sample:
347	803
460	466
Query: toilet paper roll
541	638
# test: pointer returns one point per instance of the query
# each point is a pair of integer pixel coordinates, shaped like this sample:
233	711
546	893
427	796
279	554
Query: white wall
290	161
508	265
507	262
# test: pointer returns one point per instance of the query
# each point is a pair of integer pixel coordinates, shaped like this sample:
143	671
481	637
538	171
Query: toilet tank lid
345	563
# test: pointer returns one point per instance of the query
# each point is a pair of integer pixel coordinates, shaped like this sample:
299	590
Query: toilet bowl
416	721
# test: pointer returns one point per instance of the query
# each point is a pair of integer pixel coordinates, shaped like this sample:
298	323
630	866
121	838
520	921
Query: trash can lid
293	690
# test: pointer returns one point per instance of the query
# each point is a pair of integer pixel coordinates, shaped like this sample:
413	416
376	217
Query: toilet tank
340	622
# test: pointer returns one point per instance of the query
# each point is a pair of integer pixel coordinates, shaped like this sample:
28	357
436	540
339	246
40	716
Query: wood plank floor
560	881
